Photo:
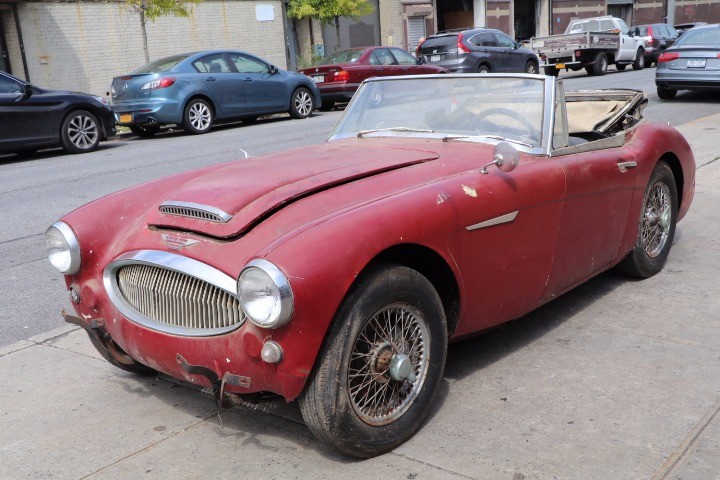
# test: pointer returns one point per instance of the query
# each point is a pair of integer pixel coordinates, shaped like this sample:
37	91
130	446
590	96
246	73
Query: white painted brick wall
82	45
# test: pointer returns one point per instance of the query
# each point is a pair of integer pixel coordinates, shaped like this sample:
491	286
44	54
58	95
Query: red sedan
341	73
336	274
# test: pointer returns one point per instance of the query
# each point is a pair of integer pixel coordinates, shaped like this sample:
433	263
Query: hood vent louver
195	210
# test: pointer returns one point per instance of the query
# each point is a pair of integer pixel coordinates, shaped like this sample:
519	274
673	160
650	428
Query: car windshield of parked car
343	56
466	108
704	36
162	65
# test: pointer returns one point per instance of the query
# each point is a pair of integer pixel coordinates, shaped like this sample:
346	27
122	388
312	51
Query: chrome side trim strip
507	218
170	261
206	212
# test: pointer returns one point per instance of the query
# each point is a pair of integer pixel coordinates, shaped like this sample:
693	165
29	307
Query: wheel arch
674	163
432	266
200	96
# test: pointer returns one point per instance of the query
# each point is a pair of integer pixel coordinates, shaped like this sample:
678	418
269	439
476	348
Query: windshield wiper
361	133
494	137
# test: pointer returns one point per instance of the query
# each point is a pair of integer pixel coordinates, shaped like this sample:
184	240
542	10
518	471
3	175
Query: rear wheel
656	228
198	117
639	62
483	69
80	132
301	103
145	131
666	93
531	67
381	365
552	71
327	106
599	67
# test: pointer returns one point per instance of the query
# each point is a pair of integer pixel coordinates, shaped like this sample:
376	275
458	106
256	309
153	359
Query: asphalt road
36	191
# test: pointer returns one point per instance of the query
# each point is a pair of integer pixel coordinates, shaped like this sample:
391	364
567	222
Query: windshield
343	56
468	107
703	36
162	65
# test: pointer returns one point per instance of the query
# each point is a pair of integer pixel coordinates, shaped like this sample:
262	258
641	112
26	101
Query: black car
477	50
658	37
684	27
32	118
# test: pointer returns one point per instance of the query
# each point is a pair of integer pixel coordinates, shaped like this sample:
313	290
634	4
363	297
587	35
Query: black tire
198	116
639	62
302	103
332	402
483	68
145	131
666	93
327	106
80	132
552	71
531	67
599	66
656	228
621	66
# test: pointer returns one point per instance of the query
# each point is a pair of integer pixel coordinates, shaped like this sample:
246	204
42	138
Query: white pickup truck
593	44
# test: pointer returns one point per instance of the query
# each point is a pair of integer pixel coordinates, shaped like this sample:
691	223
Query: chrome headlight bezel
276	285
62	231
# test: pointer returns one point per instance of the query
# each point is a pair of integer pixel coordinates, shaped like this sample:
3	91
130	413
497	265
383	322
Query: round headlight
265	294
63	248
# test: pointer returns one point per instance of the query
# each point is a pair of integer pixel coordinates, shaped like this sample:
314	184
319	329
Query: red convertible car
341	73
336	274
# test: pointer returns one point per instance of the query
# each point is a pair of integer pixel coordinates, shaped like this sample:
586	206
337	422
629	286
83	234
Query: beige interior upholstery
583	116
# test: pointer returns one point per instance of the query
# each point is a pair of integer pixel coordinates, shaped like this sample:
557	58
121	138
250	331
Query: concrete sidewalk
617	379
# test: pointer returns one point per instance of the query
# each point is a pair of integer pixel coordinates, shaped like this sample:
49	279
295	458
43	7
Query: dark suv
658	37
480	50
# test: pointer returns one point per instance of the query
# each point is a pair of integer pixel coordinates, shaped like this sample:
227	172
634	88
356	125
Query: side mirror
273	70
505	157
27	90
420	60
635	32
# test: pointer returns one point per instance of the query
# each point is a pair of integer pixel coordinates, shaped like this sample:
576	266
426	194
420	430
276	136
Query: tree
152	9
327	11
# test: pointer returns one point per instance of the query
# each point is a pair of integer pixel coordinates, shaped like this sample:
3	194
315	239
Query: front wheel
80	132
656	229
639	62
301	103
198	117
381	365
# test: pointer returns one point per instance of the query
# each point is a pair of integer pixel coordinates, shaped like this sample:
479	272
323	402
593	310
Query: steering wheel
533	133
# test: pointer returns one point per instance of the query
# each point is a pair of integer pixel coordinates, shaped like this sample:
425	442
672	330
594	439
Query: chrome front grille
195	210
191	298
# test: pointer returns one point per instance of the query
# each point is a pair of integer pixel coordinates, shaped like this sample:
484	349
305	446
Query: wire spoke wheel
388	364
656	218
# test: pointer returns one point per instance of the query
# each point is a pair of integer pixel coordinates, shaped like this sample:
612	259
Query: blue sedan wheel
198	117
302	104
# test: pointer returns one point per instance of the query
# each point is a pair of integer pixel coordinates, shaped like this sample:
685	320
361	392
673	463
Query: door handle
210	79
248	79
623	165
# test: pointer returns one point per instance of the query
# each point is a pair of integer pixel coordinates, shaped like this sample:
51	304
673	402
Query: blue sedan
194	90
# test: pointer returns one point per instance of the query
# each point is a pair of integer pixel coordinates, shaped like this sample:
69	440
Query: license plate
434	58
559	65
696	63
319	78
125	118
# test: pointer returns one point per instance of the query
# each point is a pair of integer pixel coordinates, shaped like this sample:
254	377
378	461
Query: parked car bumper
168	111
687	80
338	92
107	122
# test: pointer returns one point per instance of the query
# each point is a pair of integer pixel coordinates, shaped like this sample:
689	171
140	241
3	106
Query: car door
599	191
508	226
485	50
406	63
514	60
265	91
383	63
224	85
26	118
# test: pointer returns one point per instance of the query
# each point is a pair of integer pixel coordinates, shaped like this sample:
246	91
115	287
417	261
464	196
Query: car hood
228	201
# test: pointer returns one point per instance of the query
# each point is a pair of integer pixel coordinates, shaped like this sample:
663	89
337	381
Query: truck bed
563	45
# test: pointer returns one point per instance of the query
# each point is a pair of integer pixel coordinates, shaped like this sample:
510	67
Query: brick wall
82	45
391	24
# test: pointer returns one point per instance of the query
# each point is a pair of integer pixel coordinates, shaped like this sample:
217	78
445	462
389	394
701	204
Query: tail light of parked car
159	83
649	40
341	76
461	46
667	57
